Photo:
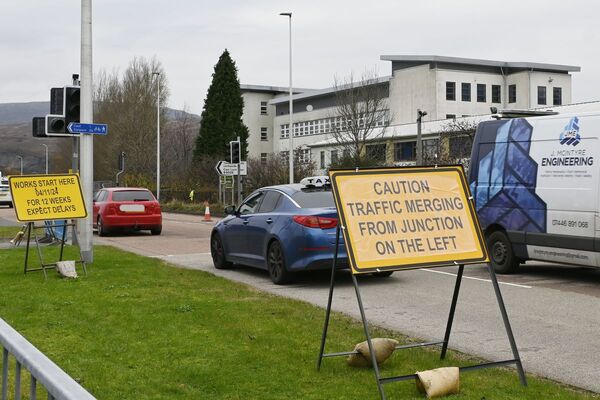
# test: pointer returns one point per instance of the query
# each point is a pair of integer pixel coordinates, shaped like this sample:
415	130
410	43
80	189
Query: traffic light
234	152
56	100
39	126
71	103
55	125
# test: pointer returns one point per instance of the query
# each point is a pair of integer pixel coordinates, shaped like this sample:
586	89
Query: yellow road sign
402	218
47	197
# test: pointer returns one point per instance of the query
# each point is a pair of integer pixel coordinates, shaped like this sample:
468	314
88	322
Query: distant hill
18	113
16	137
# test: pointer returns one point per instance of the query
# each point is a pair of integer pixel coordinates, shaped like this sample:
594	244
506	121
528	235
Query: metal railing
57	383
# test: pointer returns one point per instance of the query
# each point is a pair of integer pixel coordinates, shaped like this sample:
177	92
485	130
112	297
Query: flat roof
418	59
324	92
271	89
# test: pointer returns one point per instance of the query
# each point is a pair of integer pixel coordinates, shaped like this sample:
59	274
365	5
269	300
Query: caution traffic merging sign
400	218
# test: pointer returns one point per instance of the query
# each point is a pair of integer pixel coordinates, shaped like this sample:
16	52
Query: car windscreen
314	198
132	195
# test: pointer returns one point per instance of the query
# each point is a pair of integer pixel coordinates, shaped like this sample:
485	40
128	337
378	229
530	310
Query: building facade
448	88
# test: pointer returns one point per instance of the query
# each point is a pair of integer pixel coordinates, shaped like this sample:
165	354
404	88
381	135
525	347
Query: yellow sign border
43	218
356	269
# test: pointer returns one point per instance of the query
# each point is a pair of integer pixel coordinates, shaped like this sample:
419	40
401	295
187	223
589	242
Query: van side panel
538	178
504	176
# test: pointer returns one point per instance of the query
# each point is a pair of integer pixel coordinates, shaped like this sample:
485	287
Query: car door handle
245	222
269	221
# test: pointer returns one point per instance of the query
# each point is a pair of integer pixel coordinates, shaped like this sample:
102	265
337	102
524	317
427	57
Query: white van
535	182
5	196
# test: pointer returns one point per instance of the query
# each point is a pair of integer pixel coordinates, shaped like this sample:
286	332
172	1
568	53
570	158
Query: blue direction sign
90	129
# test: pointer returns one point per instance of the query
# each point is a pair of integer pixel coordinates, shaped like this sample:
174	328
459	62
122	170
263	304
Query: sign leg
452	310
371	349
29	227
329	301
509	333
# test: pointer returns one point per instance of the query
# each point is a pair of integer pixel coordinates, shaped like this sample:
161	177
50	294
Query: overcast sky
40	39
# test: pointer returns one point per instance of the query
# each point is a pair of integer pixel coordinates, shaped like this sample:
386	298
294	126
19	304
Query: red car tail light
312	221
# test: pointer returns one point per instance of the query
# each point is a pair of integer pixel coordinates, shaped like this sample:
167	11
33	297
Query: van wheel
501	254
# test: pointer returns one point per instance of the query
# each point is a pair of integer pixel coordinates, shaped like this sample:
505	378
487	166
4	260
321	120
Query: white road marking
476	279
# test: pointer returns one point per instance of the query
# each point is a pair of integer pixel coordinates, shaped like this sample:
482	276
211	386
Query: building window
334	156
451	91
512	93
376	152
541	94
405	151
496	96
302	156
263	158
481	95
465	91
557	94
450	116
263	108
264	134
323	159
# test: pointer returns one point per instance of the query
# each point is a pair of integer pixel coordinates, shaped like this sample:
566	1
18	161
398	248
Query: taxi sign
403	218
47	197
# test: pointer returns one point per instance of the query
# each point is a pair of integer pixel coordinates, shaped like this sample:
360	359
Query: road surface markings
475	279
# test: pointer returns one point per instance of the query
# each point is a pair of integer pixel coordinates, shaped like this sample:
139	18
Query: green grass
136	328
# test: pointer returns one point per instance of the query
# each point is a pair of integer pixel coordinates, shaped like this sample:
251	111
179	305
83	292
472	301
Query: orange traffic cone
207	212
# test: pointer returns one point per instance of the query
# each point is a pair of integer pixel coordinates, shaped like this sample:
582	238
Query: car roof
120	189
293	188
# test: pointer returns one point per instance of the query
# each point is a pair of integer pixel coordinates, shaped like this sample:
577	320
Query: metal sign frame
381	381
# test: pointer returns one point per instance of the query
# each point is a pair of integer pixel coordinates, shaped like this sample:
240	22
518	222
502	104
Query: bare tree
361	116
127	102
274	170
456	141
179	140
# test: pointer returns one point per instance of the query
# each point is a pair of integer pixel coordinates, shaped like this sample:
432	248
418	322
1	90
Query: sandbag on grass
383	348
439	382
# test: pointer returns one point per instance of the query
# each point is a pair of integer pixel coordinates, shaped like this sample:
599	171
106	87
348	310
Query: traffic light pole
86	142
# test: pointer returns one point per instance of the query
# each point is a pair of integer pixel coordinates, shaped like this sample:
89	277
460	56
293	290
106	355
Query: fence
57	383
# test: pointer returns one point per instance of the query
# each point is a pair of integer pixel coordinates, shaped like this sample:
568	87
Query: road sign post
225	168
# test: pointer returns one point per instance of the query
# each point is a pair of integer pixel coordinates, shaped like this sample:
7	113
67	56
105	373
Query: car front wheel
276	264
502	257
218	252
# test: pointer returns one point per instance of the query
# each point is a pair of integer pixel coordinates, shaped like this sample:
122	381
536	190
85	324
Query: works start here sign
402	218
47	197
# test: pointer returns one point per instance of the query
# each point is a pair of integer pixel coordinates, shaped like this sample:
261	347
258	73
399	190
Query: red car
126	208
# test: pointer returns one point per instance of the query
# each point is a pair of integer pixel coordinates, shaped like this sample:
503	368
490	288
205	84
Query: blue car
283	229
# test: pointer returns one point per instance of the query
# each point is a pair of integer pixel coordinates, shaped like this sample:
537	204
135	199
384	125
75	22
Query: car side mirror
229	210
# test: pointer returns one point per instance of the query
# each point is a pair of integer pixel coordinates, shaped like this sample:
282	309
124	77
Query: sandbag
66	268
383	348
439	382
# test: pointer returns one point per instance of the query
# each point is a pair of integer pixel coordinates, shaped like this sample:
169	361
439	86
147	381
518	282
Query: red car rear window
132	195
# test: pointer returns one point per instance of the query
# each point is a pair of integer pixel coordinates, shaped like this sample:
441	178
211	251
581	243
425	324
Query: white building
446	87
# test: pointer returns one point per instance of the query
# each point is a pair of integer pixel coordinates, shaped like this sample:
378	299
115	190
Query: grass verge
178	206
8	232
136	328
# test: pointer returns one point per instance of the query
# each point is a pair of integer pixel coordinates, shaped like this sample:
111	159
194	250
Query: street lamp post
46	146
21	160
420	115
157	134
291	130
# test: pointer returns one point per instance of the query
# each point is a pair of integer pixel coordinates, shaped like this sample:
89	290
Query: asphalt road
554	310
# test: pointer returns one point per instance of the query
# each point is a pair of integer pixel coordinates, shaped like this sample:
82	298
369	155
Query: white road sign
229	169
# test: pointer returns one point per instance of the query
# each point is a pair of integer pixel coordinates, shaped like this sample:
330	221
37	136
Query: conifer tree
222	113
